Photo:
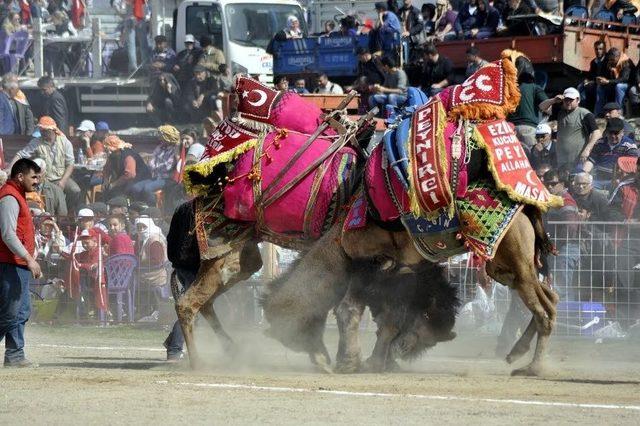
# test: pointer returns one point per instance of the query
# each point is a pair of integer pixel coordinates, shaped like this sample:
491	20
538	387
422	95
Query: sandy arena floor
116	375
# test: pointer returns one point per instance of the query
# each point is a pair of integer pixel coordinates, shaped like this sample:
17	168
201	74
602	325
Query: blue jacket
7	119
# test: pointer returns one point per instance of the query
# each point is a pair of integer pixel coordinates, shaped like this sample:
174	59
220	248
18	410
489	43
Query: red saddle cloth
307	209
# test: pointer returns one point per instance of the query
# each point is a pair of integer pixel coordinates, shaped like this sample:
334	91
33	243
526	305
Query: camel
322	275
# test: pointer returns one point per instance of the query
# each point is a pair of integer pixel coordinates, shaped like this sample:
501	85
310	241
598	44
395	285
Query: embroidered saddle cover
411	173
305	211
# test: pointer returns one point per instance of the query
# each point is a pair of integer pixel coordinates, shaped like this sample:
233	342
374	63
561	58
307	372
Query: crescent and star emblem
529	179
261	100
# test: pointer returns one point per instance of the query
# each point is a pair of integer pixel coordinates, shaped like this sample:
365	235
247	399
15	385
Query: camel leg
522	346
348	315
544	317
207	282
209	313
380	356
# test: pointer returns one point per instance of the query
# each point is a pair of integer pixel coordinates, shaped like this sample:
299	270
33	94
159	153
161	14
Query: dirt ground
116	375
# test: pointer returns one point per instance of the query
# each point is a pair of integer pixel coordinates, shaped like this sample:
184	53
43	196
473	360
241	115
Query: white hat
85	213
543	129
87	125
189	38
571	93
196	150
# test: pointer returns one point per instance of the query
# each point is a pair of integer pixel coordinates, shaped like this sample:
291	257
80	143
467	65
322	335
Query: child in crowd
89	266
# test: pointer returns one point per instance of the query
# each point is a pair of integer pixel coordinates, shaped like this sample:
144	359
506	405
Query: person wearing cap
186	60
614	110
86	130
544	150
52	104
369	73
57	152
124	167
607	150
102	131
162	165
577	128
201	93
17	261
163	58
211	57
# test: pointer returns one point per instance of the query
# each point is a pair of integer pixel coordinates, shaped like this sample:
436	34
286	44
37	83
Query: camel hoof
348	365
516	354
321	362
528	371
392	367
373	366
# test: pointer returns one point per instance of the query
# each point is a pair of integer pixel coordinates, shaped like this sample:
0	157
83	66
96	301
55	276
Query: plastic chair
577	12
629	20
5	52
121	280
604	15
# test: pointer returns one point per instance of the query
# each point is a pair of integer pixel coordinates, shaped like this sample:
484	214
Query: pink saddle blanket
307	209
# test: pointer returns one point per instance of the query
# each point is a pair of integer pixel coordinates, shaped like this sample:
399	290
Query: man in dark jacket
201	93
53	104
411	24
184	255
437	72
186	60
587	88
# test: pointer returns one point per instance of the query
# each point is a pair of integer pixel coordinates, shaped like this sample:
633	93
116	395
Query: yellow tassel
204	168
554	201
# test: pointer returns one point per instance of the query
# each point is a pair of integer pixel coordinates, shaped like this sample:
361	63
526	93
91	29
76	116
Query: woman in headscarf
151	246
162	165
123	169
292	31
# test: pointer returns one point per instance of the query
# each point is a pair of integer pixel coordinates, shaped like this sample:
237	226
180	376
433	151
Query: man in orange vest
17	262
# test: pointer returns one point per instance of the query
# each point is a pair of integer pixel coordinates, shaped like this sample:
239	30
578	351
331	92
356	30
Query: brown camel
514	265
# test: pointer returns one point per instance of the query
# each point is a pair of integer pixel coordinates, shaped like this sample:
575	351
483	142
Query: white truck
241	28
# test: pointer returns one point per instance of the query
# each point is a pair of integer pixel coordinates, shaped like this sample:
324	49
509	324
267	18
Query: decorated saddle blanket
305	211
260	109
419	172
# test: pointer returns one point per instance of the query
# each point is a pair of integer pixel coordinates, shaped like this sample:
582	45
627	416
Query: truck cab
242	29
